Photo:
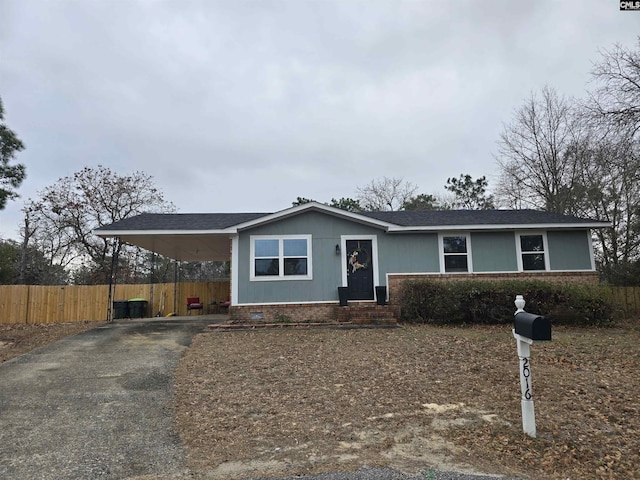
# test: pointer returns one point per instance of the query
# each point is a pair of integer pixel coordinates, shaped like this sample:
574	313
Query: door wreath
358	259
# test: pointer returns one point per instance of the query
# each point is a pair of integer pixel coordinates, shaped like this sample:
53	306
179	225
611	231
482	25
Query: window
267	257
532	252
455	253
279	258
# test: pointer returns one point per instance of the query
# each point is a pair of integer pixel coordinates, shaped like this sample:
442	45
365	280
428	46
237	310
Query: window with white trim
532	251
455	253
286	257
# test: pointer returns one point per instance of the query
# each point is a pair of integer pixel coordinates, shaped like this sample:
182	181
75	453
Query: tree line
559	154
582	157
395	193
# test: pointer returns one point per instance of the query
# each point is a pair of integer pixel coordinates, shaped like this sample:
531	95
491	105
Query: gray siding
569	250
494	252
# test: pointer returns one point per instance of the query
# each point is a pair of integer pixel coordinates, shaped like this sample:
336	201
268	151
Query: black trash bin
120	309
343	295
138	308
381	295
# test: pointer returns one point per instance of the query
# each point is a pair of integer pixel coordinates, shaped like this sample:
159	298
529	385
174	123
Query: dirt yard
18	339
287	402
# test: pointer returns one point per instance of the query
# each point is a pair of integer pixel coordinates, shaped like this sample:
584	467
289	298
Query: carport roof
181	236
181	221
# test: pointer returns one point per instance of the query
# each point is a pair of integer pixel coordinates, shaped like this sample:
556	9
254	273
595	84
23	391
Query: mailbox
535	327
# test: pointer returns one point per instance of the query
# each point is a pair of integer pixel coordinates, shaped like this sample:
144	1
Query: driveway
100	405
96	405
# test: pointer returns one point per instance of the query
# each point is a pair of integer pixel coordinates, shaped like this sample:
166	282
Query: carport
182	237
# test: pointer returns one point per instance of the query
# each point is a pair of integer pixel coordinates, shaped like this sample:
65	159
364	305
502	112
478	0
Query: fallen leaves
411	398
18	339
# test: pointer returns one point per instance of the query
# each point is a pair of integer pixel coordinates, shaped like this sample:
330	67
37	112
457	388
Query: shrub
479	302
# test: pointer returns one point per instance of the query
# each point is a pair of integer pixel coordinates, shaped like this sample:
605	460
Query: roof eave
515	226
124	233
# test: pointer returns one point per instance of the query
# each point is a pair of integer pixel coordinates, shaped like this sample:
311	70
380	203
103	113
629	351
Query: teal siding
397	253
494	252
569	250
408	253
326	231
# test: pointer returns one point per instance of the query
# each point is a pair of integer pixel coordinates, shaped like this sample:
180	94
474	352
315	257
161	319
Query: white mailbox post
529	328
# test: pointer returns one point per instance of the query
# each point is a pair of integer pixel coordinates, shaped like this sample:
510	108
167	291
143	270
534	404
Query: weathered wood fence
77	303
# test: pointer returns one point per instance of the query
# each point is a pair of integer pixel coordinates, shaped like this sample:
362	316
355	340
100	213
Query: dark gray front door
360	269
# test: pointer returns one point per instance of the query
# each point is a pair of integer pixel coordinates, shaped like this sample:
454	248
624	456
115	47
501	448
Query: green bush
479	302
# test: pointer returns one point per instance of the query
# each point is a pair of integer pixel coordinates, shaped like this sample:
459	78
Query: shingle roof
473	217
426	218
182	221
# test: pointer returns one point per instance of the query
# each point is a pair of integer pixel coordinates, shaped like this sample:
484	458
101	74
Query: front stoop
369	314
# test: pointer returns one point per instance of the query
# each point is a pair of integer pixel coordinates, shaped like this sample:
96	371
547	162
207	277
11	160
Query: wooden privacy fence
626	301
77	303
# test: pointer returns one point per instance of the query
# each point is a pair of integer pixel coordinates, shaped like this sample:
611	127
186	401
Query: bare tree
617	97
584	159
385	194
610	176
538	154
67	212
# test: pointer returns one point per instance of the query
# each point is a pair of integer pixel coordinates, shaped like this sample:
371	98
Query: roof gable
318	207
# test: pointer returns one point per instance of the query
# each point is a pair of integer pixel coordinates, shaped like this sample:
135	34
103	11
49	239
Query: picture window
281	257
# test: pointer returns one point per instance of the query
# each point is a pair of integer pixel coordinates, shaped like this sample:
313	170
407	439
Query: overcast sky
245	105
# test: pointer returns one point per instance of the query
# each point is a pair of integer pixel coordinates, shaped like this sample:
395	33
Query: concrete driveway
96	405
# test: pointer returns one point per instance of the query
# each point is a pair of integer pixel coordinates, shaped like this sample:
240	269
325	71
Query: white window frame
441	237
281	276
545	249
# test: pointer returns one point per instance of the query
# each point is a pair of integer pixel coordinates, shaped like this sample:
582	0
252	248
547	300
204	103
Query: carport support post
524	352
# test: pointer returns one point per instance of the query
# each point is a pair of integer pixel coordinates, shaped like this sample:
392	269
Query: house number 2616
526	373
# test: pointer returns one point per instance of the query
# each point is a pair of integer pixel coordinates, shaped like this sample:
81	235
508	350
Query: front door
360	269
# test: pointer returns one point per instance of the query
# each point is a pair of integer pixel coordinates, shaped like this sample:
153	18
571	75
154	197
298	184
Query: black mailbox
535	327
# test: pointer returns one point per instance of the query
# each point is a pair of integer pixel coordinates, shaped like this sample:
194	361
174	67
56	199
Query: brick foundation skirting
356	313
369	314
285	313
